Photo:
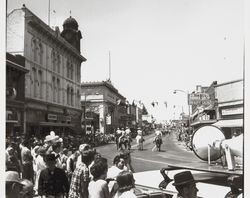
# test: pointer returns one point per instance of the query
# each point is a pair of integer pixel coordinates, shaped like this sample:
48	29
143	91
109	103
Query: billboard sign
199	99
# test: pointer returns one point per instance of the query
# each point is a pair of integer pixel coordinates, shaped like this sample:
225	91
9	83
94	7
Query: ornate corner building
52	85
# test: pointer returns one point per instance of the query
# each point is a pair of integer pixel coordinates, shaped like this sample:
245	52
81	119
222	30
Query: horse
124	141
158	143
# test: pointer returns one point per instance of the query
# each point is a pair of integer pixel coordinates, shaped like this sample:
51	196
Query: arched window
40	85
34	49
34	77
68	95
68	69
58	63
40	53
54	88
78	98
58	90
53	60
72	97
72	71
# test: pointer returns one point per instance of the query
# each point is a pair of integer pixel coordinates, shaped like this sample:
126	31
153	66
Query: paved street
173	152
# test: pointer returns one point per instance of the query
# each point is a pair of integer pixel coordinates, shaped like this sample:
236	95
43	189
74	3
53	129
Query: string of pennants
155	103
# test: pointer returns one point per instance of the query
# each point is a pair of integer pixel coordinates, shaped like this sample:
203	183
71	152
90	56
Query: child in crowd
126	183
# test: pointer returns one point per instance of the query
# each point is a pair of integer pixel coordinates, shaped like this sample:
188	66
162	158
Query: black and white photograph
124	99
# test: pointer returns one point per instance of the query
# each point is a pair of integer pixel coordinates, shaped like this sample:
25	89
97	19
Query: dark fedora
183	178
50	157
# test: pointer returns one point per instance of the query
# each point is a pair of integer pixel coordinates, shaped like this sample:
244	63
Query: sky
156	46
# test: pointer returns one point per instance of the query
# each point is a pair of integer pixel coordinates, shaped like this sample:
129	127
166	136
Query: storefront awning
12	121
229	123
56	124
203	122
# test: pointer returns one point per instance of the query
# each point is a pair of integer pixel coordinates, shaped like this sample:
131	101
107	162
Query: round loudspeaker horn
203	139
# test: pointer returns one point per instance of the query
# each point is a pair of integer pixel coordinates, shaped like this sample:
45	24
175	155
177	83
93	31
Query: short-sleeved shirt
79	182
98	189
126	194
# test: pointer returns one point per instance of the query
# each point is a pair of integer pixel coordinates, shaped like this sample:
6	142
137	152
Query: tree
144	110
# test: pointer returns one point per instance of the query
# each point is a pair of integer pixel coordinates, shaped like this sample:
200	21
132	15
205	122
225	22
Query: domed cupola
70	23
71	33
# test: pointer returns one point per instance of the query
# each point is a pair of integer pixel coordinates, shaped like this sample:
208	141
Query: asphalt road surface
172	152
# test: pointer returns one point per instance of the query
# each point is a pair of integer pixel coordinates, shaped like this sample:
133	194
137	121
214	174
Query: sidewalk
180	144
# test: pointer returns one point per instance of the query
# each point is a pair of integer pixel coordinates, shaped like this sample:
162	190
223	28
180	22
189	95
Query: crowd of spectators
51	168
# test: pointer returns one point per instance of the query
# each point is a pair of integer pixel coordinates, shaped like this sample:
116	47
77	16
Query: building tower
71	33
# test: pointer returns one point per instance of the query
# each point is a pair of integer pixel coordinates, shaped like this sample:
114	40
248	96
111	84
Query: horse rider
118	133
158	136
128	134
139	139
123	136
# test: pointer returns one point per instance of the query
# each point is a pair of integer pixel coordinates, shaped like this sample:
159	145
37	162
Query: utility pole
49	14
109	66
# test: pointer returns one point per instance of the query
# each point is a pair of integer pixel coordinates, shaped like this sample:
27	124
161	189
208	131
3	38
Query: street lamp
185	92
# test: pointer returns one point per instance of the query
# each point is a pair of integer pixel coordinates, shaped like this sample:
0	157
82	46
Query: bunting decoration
154	103
166	104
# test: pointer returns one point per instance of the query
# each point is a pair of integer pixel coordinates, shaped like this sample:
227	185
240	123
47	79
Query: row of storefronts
105	109
224	109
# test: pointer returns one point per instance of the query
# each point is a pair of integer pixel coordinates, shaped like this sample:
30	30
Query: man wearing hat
82	148
13	184
185	185
53	182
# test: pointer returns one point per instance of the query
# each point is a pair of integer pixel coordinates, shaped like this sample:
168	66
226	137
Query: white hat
84	147
12	176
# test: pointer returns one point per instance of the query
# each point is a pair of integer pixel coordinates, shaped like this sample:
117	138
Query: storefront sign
199	99
11	115
108	119
52	117
232	111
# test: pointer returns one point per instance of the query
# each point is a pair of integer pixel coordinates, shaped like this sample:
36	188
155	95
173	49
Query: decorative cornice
37	23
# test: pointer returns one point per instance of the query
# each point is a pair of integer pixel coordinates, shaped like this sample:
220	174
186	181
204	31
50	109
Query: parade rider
139	139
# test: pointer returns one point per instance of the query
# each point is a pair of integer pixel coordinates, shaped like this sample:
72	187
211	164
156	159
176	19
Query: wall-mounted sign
232	111
11	93
52	116
199	99
108	119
